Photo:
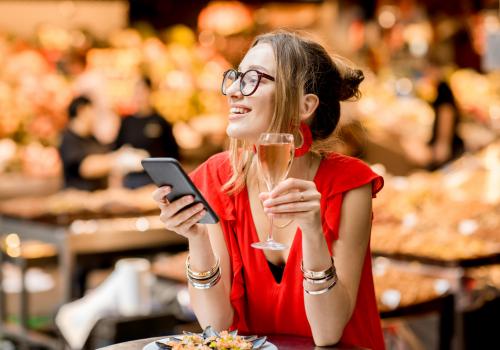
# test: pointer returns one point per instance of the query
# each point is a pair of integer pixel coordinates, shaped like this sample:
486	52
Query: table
281	342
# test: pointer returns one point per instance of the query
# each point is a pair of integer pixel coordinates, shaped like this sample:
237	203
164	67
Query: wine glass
275	156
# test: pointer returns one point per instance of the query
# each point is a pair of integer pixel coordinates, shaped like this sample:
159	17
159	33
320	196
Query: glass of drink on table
275	156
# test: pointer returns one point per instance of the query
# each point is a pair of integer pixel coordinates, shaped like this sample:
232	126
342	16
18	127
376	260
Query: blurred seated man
146	129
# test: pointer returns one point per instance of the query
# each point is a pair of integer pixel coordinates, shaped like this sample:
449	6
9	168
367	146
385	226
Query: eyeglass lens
248	83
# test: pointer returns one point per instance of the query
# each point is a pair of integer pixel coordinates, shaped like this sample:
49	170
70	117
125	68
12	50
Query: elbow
328	335
218	323
327	339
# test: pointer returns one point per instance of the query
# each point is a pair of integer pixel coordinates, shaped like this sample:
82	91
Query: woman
322	211
445	144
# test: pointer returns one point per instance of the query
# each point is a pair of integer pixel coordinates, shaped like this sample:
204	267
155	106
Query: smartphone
168	172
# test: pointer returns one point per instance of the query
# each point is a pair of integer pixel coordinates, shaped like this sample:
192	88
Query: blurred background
88	88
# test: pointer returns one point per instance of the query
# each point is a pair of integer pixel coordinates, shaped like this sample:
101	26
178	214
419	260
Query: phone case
168	171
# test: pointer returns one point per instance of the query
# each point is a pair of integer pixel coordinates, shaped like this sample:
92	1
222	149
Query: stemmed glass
275	156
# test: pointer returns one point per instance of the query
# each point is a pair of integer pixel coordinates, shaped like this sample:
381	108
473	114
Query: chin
240	133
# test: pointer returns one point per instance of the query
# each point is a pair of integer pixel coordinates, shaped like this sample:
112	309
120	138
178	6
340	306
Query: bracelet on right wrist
318	275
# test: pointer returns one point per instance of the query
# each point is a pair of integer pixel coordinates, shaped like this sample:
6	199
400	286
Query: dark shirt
73	150
151	133
445	97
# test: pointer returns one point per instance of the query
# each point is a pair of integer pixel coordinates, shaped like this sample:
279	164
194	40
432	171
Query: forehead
260	57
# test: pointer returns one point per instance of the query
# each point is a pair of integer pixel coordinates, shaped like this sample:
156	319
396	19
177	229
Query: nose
234	89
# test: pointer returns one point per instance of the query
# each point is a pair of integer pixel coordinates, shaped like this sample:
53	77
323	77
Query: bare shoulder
356	214
361	195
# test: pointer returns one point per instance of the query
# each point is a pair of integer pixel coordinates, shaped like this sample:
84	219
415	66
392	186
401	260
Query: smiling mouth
238	112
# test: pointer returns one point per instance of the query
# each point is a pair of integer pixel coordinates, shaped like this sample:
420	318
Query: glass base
269	244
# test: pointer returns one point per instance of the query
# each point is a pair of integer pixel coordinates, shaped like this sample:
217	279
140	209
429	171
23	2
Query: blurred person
321	286
147	130
86	162
445	144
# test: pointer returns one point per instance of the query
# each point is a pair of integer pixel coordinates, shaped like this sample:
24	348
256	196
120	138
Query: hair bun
351	78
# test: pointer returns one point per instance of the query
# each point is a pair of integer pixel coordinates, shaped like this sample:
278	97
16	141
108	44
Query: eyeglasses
249	80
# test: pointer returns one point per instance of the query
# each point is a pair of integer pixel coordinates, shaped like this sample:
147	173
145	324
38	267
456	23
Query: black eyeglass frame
241	75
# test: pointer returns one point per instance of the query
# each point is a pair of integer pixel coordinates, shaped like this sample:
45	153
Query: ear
308	105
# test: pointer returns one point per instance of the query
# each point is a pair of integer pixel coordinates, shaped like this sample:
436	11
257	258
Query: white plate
152	346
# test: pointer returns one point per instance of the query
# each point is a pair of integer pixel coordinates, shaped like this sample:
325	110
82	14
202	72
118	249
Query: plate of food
209	339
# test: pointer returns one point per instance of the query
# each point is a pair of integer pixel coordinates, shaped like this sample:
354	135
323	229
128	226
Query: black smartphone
168	172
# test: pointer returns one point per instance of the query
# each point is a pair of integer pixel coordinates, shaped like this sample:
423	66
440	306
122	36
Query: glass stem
270	234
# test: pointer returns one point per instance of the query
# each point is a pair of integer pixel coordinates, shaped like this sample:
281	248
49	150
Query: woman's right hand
176	217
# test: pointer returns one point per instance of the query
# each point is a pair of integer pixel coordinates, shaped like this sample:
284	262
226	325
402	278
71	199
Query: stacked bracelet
319	277
205	279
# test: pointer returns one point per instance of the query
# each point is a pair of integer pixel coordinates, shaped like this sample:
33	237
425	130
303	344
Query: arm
327	313
211	306
349	254
75	158
97	165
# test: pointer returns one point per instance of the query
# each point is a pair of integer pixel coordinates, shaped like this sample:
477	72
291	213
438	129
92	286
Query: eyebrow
257	67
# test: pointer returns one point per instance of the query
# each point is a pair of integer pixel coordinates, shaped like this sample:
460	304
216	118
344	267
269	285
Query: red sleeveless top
263	306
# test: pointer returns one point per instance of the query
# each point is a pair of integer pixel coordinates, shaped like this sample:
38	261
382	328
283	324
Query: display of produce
457	208
400	286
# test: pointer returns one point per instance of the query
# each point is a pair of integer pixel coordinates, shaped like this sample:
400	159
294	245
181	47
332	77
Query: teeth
239	110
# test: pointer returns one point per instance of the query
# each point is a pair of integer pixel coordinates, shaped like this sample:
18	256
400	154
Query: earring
306	134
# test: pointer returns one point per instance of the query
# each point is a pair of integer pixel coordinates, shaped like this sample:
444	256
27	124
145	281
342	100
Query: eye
251	77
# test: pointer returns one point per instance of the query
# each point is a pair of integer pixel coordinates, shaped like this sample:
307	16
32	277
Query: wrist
313	235
200	240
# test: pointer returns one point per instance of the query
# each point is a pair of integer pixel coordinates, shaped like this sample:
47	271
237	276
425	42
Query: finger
186	225
184	215
291	184
172	208
160	193
296	207
291	197
264	195
288	197
163	206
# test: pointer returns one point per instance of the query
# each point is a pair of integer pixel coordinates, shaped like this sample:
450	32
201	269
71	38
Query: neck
80	128
145	111
304	167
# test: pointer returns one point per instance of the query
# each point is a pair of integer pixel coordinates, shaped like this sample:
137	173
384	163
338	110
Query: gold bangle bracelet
318	275
321	291
204	274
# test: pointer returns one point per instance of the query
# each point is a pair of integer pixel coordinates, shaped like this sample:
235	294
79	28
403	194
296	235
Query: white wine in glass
275	155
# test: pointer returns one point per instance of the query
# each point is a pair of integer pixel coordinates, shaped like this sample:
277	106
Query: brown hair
302	67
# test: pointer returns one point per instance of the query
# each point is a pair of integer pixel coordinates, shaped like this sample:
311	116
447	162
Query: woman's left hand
295	199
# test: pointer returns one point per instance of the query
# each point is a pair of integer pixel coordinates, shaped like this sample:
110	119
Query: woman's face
249	116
